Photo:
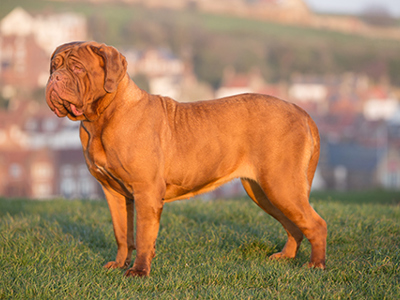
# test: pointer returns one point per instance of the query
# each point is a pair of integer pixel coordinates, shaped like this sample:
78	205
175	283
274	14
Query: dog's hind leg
289	194
295	236
282	189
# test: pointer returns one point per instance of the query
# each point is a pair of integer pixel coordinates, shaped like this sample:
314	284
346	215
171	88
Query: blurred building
166	74
26	44
163	70
41	156
234	83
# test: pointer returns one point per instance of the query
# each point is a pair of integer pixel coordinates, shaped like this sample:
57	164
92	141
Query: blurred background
339	60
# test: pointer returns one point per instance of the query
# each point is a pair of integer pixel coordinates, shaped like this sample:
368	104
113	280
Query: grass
208	250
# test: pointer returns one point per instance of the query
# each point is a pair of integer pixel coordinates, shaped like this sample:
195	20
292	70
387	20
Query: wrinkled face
81	75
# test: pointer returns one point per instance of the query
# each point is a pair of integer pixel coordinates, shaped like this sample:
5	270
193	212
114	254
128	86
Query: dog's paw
113	265
280	255
316	265
132	272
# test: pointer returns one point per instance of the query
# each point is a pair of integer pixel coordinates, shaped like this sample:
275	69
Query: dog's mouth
75	111
60	105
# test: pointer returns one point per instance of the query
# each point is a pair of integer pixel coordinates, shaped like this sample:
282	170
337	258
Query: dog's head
82	75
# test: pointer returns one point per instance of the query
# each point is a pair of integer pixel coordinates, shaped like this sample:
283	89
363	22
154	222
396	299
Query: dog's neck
127	91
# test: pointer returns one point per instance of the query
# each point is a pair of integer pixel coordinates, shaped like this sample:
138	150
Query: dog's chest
96	159
100	168
98	164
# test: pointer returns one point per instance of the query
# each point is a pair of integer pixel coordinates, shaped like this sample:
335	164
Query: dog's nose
56	77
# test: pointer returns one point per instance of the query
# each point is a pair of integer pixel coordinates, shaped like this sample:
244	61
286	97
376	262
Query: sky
352	6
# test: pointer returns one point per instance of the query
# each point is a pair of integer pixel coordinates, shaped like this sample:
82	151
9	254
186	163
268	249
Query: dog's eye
77	68
55	64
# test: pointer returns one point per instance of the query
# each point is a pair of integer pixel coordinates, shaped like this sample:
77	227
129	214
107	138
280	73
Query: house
23	64
155	63
48	30
388	169
15	173
73	177
14	169
234	83
309	92
41	156
26	44
193	90
41	171
45	174
163	70
380	104
350	165
59	139
329	94
166	75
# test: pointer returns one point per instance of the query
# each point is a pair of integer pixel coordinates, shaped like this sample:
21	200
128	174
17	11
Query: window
15	171
68	187
83	171
49	124
42	170
31	125
393	180
42	190
86	187
5	64
66	170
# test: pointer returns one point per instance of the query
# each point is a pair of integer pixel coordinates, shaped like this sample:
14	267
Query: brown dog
147	150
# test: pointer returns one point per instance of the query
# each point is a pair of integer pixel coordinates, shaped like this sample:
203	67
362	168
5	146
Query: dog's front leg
148	205
122	215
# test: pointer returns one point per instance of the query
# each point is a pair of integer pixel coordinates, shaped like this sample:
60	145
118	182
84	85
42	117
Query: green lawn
208	250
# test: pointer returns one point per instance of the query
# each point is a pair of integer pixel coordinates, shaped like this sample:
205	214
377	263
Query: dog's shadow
245	239
102	242
90	235
59	216
100	239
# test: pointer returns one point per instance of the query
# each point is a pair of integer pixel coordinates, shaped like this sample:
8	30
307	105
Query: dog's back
212	142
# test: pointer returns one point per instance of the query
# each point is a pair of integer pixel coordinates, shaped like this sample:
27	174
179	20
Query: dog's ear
115	65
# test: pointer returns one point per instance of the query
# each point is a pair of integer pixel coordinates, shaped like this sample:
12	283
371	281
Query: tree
377	15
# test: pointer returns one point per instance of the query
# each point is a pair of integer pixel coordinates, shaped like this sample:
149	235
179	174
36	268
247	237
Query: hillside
204	40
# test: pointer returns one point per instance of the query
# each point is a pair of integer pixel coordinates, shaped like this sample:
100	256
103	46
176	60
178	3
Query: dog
147	150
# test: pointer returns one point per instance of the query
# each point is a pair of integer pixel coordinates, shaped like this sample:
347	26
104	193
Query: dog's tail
315	151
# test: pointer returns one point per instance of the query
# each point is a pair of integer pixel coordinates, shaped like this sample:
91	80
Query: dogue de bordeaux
146	150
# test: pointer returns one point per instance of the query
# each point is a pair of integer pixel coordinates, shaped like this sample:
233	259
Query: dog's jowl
146	150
